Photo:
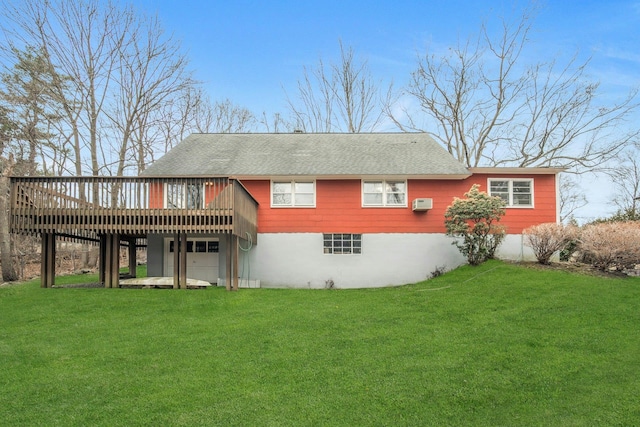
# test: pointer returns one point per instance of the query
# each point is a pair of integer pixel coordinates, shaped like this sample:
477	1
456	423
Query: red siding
156	195
338	207
212	191
544	200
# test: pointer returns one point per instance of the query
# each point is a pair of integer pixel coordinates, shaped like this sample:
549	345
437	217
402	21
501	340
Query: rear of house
342	210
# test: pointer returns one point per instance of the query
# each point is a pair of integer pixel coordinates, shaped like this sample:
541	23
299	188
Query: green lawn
492	345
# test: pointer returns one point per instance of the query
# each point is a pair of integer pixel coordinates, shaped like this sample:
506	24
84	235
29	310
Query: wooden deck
108	210
131	206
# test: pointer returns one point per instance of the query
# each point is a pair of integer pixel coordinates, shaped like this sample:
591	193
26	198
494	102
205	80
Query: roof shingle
314	154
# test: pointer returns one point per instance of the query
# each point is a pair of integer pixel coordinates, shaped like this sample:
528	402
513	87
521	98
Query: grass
79	279
497	344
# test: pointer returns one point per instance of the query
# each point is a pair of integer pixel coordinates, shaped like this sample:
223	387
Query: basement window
342	243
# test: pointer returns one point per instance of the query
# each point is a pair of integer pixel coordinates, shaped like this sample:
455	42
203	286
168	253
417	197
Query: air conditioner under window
422	204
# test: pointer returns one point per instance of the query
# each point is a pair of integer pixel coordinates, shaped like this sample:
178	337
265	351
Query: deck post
102	259
112	261
132	257
115	273
234	249
48	260
176	261
183	260
228	272
108	255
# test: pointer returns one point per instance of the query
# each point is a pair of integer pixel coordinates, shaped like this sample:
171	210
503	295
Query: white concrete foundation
242	283
513	248
297	260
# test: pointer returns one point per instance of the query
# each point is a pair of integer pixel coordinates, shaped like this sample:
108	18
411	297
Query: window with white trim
184	196
212	246
342	243
515	192
293	193
384	193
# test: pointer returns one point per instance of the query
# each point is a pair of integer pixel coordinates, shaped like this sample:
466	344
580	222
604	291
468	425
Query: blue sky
251	51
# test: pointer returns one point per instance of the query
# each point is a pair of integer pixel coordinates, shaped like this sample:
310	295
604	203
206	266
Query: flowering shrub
611	244
549	238
474	221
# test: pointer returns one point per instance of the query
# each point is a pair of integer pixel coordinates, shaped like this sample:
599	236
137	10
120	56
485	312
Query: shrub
611	244
549	238
473	219
439	271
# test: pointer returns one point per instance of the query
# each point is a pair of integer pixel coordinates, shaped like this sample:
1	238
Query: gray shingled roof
326	154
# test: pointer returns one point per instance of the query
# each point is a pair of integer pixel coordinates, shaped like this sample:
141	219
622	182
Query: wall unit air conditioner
422	204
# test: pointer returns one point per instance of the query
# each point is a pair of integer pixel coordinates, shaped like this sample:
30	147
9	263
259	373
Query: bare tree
81	40
572	197
221	116
119	67
341	97
7	163
191	110
489	108
112	69
151	71
626	181
231	118
275	124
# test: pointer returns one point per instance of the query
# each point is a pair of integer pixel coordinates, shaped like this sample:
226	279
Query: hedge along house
281	210
348	210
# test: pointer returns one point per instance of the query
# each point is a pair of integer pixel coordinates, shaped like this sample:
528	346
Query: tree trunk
8	270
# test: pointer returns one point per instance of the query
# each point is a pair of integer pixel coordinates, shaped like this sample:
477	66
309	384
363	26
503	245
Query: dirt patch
81	285
573	267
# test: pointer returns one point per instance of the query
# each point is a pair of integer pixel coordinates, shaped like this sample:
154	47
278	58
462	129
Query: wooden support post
115	275
183	260
176	261
132	257
234	250
48	260
228	251
103	259
112	261
108	260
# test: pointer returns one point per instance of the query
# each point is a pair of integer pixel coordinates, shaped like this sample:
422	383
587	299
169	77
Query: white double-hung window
384	193
515	192
293	194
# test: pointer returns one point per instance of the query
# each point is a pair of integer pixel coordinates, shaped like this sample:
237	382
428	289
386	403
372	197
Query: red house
281	210
348	210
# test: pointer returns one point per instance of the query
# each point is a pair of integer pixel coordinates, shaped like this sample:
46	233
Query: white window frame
510	191
183	203
384	193
294	203
337	243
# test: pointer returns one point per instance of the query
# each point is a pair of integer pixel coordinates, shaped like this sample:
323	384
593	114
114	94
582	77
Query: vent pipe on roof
298	131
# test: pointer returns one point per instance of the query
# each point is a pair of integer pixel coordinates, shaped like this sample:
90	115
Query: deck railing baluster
81	206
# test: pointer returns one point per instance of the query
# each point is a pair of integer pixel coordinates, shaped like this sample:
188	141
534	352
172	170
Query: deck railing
78	206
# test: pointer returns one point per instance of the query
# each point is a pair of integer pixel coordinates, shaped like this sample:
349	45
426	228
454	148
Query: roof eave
518	171
452	177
